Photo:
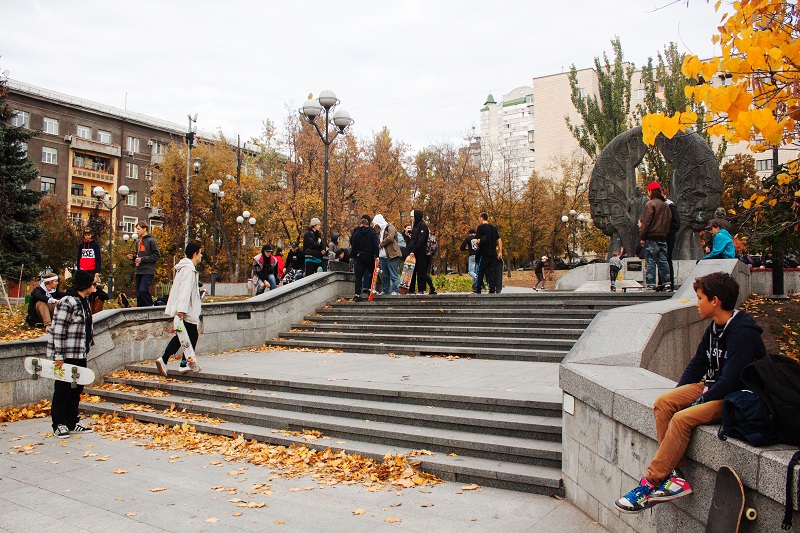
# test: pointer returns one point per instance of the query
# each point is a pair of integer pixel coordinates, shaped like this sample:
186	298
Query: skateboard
77	375
180	330
727	503
406	273
375	272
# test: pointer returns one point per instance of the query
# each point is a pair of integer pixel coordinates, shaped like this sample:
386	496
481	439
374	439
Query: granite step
462	469
532	426
491	339
499	329
452	318
486	446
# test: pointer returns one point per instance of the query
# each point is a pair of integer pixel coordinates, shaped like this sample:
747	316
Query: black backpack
744	417
776	380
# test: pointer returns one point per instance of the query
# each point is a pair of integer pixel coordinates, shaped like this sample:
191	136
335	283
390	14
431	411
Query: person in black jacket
731	342
313	247
471	247
364	248
418	246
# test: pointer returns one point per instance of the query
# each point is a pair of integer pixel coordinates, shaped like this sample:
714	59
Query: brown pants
45	311
675	420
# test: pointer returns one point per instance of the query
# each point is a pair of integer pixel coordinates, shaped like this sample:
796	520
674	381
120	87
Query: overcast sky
421	68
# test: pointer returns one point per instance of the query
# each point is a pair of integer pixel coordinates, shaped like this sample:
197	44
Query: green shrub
452	283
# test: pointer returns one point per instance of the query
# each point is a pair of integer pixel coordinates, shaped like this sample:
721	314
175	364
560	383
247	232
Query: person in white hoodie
184	302
389	254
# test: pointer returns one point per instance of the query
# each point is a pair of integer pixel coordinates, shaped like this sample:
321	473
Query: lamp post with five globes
215	191
571	222
240	220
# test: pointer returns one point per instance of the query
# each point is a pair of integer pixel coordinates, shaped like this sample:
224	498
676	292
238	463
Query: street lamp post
215	191
100	193
133	237
240	220
341	119
571	223
190	134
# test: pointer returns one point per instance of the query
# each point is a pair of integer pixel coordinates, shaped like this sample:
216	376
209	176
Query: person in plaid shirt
69	342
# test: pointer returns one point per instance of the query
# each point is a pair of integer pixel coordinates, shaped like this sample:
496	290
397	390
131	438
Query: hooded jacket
364	242
185	294
723	353
419	236
149	255
312	245
388	245
89	257
723	247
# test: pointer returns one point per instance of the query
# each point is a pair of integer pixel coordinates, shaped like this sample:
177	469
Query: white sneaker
184	369
193	366
162	366
61	432
394	294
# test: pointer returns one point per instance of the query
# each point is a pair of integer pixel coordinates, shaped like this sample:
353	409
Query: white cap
544	258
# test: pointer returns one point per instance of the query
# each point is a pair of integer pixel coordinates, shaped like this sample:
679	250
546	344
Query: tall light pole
189	142
341	119
571	222
100	194
215	191
241	219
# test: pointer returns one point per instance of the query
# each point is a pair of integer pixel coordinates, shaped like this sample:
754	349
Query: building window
639	94
76	189
21	119
132	199
132	171
47	184
157	147
104	136
156	224
49	155
50	126
84	132
147	201
76	219
764	164
129	224
133	144
148	174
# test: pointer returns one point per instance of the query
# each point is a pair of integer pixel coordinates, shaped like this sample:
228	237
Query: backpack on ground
433	246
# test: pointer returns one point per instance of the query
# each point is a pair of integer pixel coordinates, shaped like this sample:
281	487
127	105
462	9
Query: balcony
156	159
85	201
92	175
113	150
156	212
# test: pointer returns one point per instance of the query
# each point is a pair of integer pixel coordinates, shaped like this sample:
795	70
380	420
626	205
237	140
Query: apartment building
84	144
506	135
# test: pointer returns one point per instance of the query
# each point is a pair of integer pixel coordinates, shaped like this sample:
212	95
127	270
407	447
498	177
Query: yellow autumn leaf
392	520
772	202
760	200
797	193
747	204
358	511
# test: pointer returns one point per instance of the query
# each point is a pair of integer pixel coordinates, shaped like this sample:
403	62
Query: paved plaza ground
48	484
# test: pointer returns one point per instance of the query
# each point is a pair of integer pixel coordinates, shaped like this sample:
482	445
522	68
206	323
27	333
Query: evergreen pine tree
19	211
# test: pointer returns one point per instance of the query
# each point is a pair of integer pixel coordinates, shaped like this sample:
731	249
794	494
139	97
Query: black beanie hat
82	280
192	249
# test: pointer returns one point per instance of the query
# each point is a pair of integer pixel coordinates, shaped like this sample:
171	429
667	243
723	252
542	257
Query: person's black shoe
432	293
357	298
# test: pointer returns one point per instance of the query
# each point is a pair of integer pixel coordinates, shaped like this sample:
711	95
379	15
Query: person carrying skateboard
184	302
364	247
730	342
71	336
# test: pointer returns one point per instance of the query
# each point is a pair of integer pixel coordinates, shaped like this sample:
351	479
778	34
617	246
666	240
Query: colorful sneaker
162	366
637	500
80	428
61	432
674	487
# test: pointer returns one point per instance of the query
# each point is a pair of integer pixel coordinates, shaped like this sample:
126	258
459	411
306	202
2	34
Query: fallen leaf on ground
158	489
359	511
212	520
392	520
472	486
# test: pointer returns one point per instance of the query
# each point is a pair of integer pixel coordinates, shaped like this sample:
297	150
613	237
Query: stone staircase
497	438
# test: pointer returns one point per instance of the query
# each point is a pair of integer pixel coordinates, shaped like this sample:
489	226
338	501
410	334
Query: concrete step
498	447
499	299
491	339
452	318
547	404
388	313
459	305
532	426
462	469
497	329
509	354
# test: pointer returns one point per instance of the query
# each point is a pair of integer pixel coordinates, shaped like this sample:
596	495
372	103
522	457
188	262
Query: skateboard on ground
375	272
41	367
727	503
188	351
406	273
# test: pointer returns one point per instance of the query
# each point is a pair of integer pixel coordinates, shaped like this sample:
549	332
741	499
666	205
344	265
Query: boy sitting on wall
730	342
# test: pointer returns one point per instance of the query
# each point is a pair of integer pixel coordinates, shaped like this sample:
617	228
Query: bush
452	283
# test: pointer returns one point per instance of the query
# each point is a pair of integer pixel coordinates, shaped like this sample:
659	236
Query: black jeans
175	343
143	283
487	268
363	269
64	409
421	273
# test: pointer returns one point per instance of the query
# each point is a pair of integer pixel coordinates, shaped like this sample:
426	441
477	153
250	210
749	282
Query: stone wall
624	360
124	336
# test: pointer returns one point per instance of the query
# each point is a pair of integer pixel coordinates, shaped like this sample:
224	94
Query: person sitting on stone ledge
43	301
730	342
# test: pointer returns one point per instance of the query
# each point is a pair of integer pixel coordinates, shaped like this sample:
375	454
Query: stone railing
624	360
124	336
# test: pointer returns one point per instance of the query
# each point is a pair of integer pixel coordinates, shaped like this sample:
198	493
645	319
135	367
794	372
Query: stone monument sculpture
616	204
